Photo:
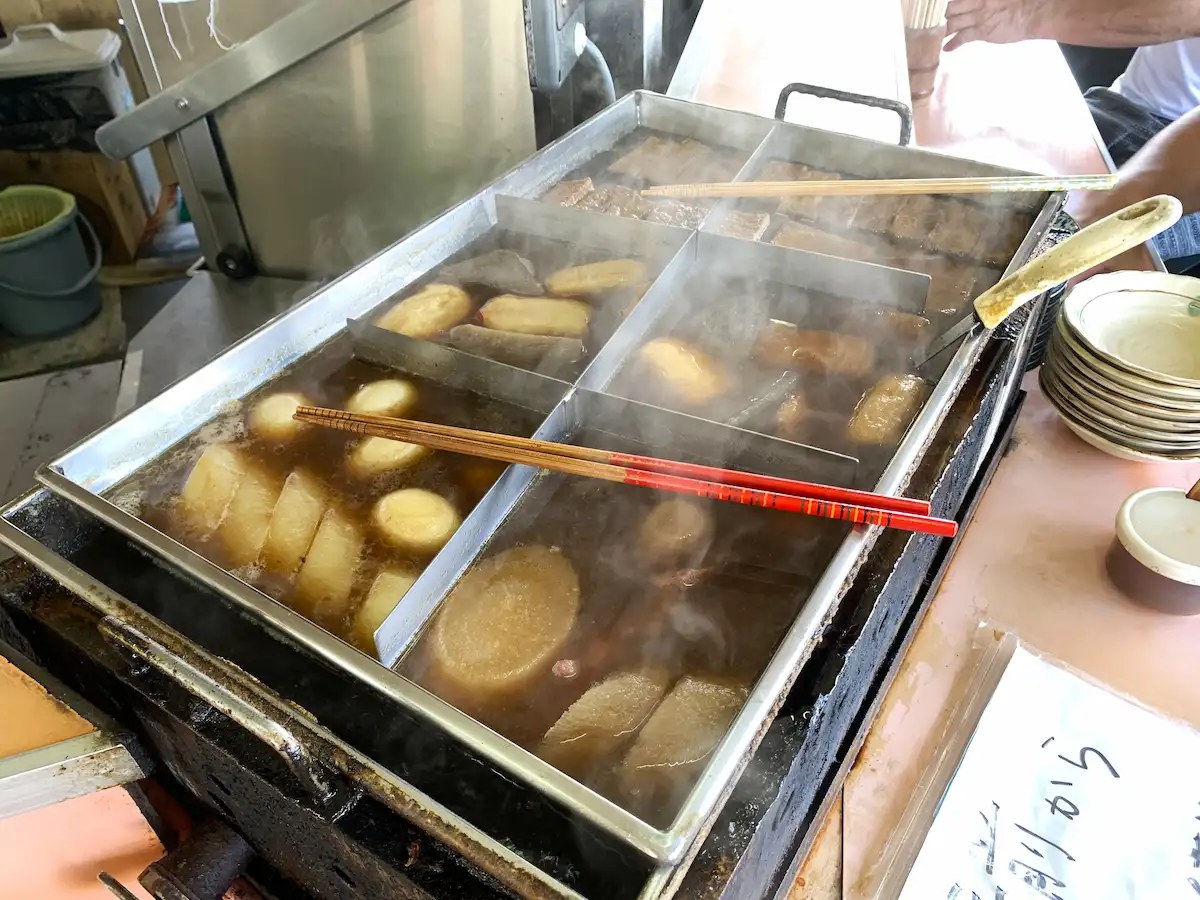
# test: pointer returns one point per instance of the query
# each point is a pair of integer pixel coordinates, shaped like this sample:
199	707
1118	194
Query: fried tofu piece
999	243
792	418
814	352
915	218
807	207
673	745
951	288
805	237
569	193
664	160
957	230
876	214
599	723
887	409
745	225
677	213
616	200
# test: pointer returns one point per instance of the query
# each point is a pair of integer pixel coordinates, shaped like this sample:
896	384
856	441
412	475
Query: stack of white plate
1123	365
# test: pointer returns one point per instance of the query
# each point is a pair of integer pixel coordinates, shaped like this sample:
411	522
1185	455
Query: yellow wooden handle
1097	243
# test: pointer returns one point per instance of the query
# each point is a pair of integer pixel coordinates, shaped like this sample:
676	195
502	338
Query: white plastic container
83	85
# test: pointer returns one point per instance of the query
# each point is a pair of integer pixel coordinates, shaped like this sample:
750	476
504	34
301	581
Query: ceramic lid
1160	527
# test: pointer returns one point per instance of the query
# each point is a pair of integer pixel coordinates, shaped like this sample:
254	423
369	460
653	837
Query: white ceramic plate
1145	322
1143	385
1071	369
1079	389
1134	435
1106	446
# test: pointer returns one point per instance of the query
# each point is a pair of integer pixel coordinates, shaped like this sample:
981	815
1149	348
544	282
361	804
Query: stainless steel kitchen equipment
653	860
307	136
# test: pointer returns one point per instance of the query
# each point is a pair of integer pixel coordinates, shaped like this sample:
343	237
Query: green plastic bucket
47	283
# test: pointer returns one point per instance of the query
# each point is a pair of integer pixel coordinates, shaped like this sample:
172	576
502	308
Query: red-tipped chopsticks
732	486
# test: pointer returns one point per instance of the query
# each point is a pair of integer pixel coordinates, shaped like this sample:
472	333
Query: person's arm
1168	164
1088	23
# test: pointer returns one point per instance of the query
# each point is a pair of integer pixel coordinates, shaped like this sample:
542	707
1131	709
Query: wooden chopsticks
862	187
667	475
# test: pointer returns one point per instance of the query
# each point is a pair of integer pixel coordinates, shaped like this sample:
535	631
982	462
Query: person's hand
994	21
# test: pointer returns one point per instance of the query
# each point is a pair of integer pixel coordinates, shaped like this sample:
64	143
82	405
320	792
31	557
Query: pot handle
798	87
203	685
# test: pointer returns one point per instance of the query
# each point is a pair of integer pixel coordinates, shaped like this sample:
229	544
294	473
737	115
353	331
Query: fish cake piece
569	193
599	723
748	226
616	200
958	228
374	456
687	372
210	488
814	352
677	213
550	316
915	218
387	590
671	748
887	409
294	522
876	214
330	568
415	521
430	311
503	271
799	236
998	244
675	530
597	278
272	417
386	397
504	624
549	355
244	528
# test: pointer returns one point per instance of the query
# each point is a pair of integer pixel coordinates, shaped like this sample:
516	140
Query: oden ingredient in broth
386	591
210	488
387	397
686	371
294	522
329	570
504	622
272	418
415	520
429	312
244	528
675	531
598	723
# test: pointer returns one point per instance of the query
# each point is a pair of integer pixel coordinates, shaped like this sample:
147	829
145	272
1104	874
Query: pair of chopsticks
863	187
829	502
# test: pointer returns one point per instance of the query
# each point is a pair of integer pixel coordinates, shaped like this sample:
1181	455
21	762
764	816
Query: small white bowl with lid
1155	557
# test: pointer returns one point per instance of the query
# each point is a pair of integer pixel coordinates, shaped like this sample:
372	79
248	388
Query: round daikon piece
598	723
244	527
430	311
327	576
415	521
375	456
210	488
674	530
294	522
389	397
505	622
271	417
386	591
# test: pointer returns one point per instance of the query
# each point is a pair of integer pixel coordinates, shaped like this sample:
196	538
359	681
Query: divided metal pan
86	473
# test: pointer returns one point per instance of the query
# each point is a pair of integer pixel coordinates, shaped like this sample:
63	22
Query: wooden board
31	717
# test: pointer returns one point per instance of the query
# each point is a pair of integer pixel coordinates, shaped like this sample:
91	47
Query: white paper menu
1065	792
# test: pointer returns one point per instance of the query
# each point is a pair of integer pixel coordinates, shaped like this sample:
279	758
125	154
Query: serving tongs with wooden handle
1097	243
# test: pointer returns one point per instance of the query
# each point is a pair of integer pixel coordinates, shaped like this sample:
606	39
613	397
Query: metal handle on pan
798	87
293	752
